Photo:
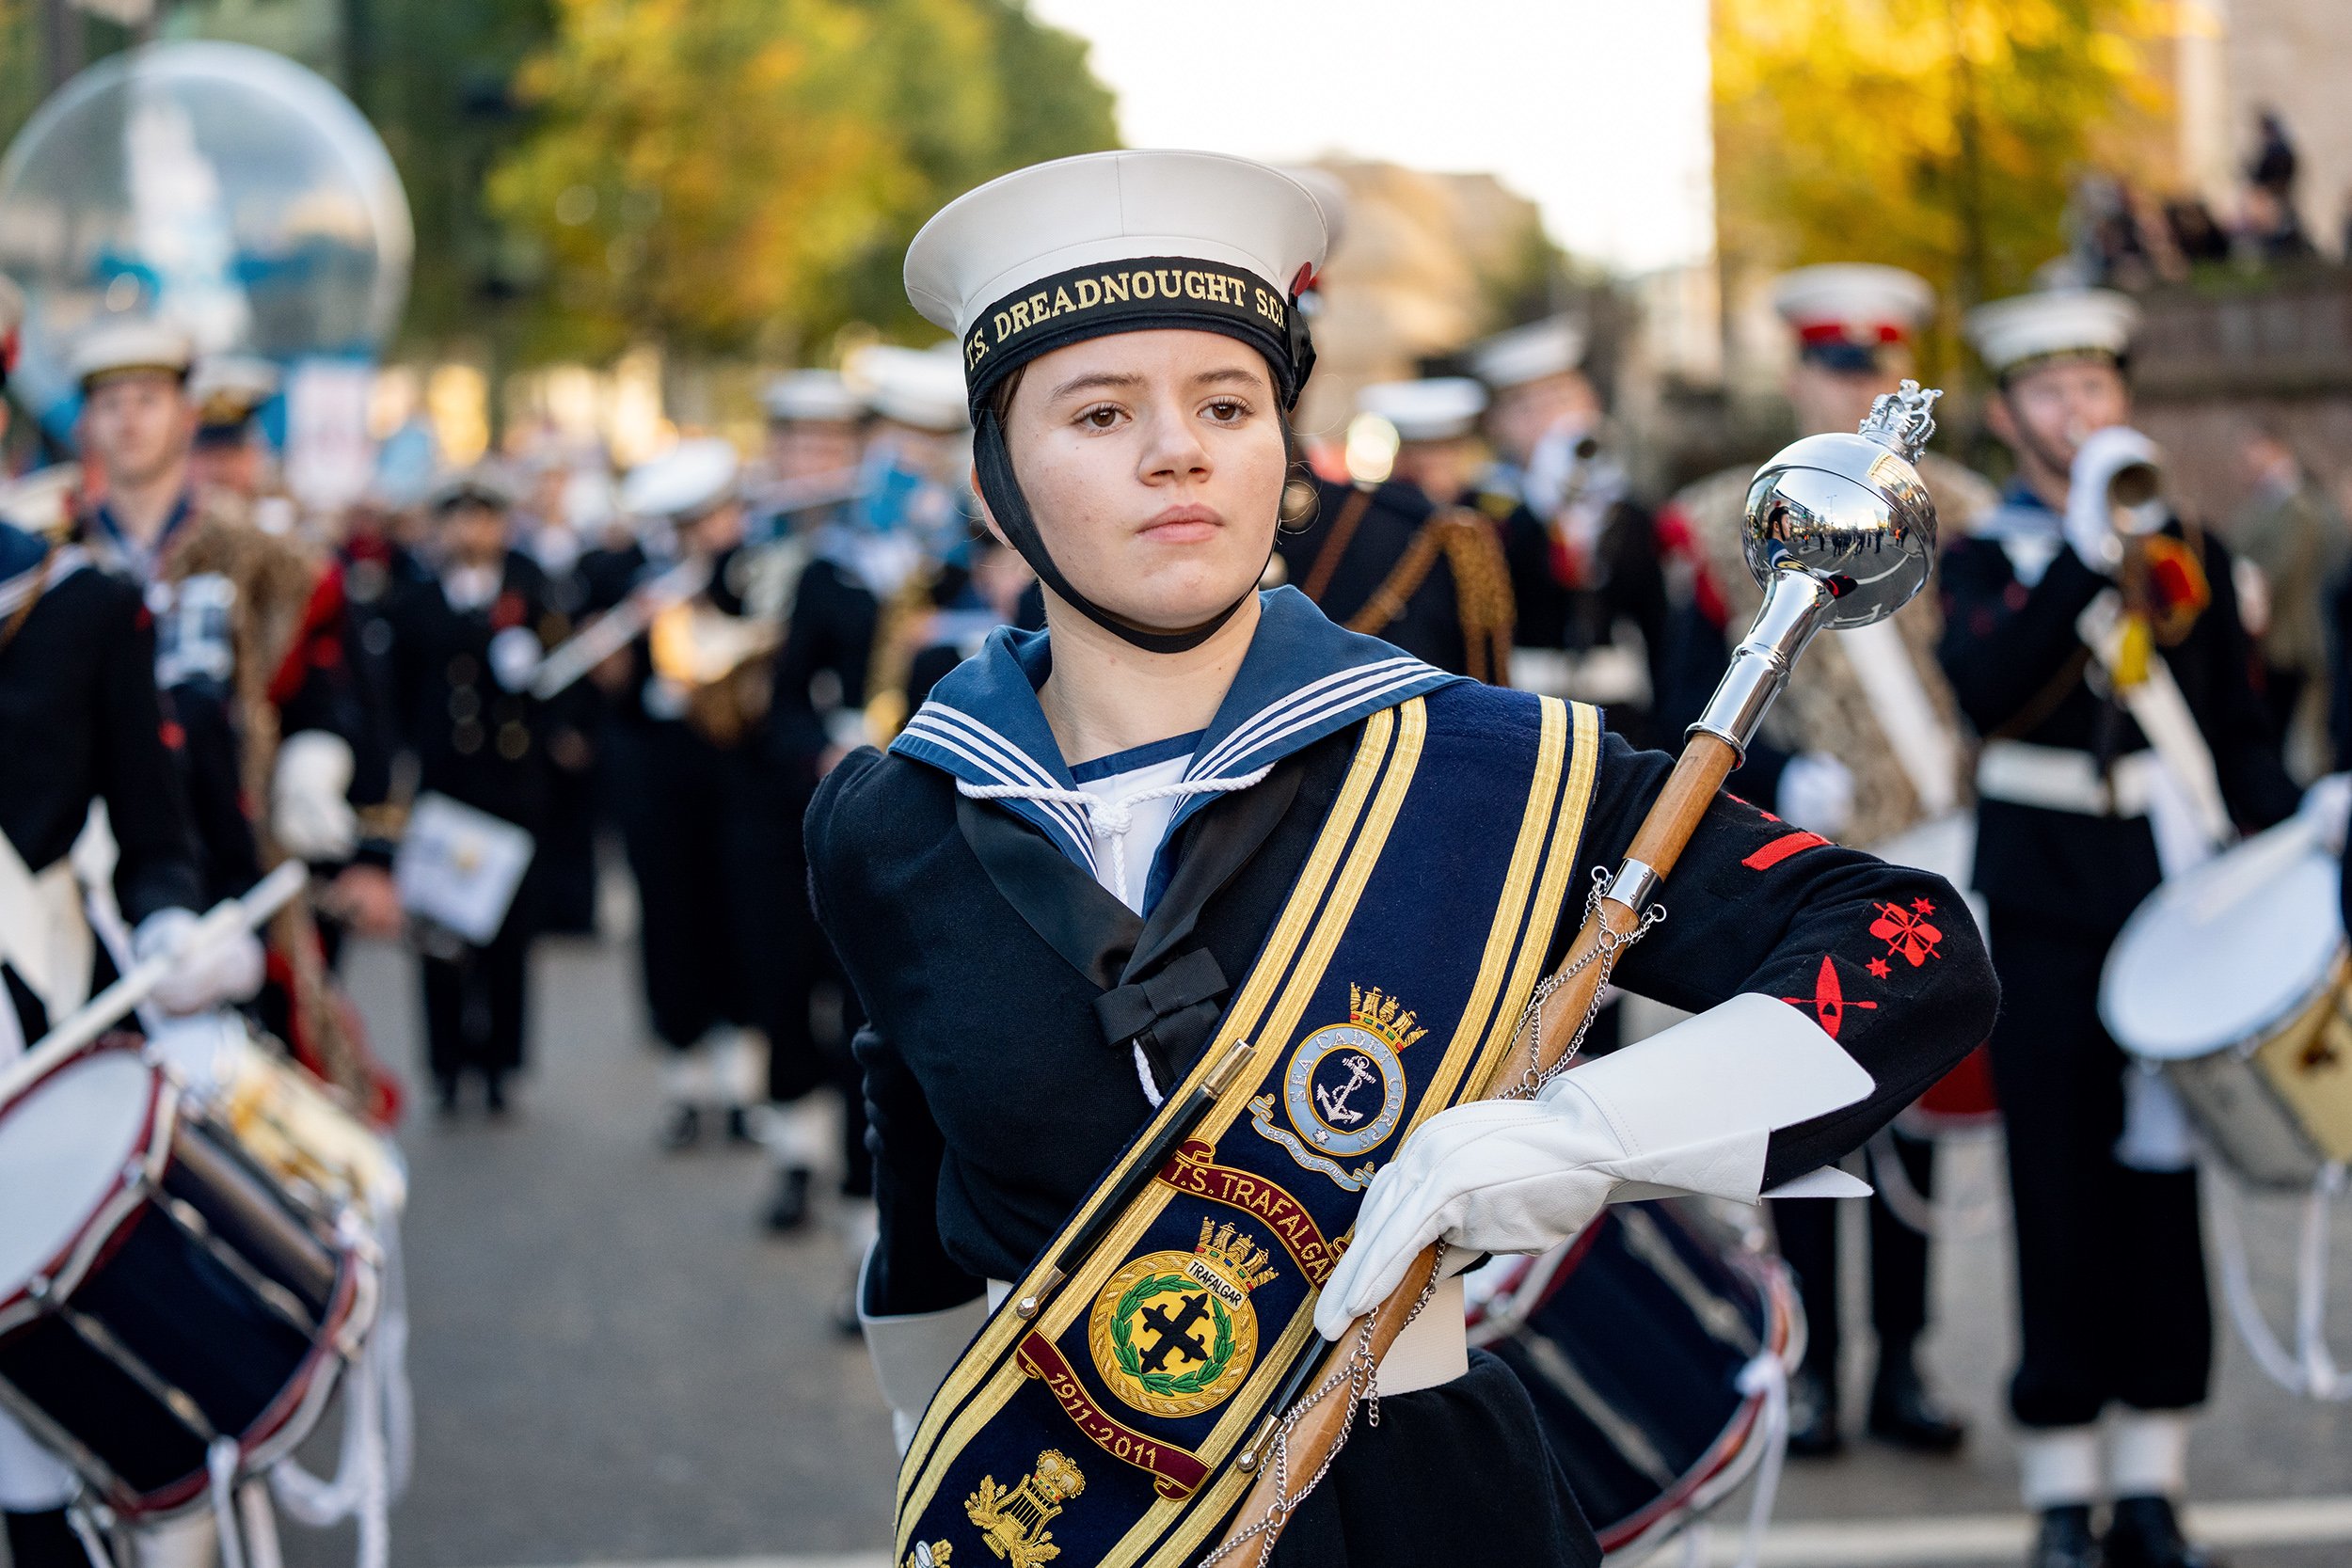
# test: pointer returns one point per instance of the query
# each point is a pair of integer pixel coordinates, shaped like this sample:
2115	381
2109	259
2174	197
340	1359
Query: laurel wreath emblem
1169	1385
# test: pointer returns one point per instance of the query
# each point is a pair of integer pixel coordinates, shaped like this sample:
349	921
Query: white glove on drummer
310	810
2327	809
224	970
1686	1111
2092	519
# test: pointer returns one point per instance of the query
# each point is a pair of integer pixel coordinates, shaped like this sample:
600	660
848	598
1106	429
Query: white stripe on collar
59	566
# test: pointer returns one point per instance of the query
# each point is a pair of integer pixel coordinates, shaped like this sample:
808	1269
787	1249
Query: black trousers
2112	1305
475	1002
671	792
1808	1228
566	859
43	1540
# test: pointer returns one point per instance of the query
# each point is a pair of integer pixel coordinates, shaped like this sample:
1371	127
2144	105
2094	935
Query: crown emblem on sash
1229	1261
1382	1016
1012	1519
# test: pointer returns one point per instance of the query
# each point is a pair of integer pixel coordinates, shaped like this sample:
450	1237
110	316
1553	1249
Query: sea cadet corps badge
1173	1333
1344	1091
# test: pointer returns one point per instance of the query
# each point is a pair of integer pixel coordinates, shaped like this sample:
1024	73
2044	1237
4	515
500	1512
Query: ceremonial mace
1839	531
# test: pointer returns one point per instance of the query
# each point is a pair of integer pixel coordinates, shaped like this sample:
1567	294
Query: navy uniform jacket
1007	988
475	740
2020	671
79	721
1430	627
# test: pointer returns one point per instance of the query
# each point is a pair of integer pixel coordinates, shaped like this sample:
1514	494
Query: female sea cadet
1050	890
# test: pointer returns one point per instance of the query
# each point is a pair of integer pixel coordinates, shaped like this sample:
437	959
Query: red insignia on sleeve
1779	849
1907	932
1828	1000
1880	969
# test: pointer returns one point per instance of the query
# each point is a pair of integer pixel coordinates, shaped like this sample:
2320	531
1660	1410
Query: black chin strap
1002	491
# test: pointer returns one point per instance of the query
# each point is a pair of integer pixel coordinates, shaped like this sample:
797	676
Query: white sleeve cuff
913	1353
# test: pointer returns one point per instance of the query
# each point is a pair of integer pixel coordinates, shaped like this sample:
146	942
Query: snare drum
2232	977
161	1294
1634	1340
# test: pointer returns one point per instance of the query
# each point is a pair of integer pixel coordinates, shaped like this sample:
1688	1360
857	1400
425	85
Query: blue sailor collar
29	565
125	553
1303	679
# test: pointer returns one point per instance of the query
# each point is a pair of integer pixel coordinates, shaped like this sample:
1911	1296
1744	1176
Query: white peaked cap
923	387
127	343
1854	301
690	478
1036	222
1437	410
812	395
2010	332
1553	346
1330	194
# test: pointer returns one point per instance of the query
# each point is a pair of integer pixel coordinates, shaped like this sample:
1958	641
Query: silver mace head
1839	532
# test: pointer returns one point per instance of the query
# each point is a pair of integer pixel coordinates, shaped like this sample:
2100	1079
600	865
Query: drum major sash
1101	1429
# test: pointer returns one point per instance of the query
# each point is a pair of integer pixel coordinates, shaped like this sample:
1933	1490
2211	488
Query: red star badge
1879	971
1920	906
1828	1000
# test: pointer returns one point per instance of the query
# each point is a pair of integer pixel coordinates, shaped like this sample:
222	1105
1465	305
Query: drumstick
230	917
1838	532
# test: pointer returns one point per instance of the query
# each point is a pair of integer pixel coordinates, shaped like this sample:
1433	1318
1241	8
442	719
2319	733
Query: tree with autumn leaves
733	175
1941	136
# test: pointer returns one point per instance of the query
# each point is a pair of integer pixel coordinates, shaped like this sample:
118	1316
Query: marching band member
681	809
1393	554
1593	611
280	755
464	644
2107	671
1078	856
80	723
1864	748
228	453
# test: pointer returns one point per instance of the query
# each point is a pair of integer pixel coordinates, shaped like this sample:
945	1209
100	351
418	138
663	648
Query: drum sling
1095	1417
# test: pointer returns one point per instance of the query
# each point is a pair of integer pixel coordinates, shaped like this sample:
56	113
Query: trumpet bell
1852	511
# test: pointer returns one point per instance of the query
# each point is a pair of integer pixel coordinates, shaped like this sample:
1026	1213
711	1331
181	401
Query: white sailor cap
2055	324
1553	346
1330	194
692	478
1853	306
817	396
1122	242
1440	408
126	346
922	387
482	485
227	389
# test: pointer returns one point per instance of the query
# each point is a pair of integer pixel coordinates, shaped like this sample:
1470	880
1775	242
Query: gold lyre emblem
1012	1519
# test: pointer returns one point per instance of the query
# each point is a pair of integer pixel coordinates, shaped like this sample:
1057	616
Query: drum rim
65	1268
1731	1457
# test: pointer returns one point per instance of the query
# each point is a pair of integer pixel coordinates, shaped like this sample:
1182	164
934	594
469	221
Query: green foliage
724	175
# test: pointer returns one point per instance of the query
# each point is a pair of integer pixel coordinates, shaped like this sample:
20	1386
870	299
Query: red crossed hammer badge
1828	1000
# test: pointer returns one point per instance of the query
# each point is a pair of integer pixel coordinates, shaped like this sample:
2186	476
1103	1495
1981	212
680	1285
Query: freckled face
1153	463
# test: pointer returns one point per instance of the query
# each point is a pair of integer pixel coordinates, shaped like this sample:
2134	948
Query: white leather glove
2092	521
2326	808
1816	794
1688	1110
309	812
225	971
514	658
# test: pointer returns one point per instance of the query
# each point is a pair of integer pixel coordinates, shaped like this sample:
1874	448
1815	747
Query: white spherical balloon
223	188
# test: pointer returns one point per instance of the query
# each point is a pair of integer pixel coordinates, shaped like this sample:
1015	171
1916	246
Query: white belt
1433	1349
2058	778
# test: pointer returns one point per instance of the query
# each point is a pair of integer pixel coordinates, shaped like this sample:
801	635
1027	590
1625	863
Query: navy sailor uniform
1021	1013
2111	1270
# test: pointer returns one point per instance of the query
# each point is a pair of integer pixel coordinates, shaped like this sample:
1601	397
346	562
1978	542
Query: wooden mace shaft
1707	760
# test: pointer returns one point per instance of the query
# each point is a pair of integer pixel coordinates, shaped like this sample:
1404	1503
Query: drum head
63	1146
2224	952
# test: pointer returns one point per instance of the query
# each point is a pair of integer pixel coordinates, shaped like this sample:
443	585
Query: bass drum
170	1316
1635	1341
